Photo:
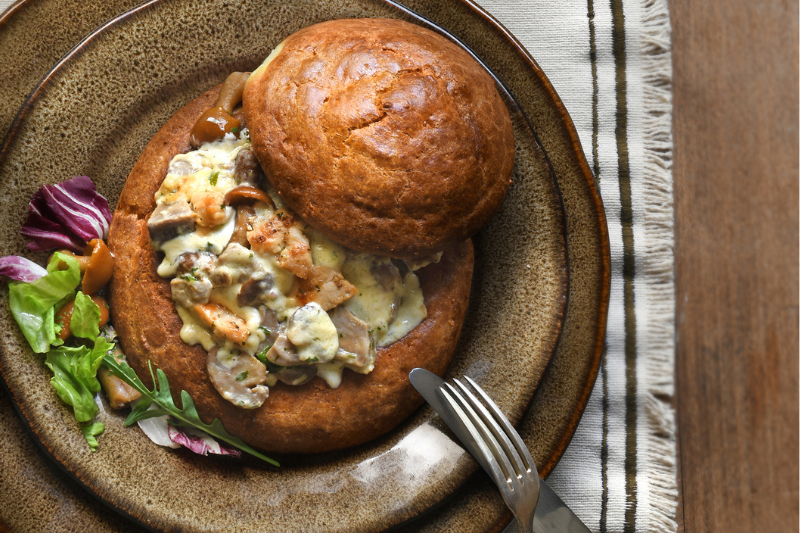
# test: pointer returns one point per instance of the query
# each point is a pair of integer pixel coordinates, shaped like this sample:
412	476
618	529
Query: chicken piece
223	323
296	256
282	235
268	235
241	379
208	208
326	287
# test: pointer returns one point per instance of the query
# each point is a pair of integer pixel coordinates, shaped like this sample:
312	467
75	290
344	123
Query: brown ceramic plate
98	108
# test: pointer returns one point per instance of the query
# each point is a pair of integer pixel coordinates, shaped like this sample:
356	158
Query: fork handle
523	528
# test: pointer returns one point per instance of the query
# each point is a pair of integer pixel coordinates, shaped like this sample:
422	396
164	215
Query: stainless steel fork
487	434
502	453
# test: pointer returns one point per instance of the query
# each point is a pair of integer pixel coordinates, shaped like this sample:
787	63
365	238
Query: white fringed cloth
610	62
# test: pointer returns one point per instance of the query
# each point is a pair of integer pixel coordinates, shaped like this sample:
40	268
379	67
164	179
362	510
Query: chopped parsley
272	368
213	178
262	356
242	376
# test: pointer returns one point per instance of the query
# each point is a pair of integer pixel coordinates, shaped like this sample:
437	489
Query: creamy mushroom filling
268	297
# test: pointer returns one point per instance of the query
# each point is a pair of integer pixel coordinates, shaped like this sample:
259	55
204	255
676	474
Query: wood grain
736	199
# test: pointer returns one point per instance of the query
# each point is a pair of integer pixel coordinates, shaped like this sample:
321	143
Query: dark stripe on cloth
628	263
595	90
596	169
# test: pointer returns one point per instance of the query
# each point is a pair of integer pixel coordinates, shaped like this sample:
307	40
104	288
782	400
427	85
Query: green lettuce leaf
85	317
75	376
33	304
91	431
162	397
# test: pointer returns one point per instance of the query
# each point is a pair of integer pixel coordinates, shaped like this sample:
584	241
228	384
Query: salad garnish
20	269
66	215
70	325
185	417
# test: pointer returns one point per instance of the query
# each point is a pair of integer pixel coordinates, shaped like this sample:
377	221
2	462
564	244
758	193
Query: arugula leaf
91	431
75	376
85	317
162	397
33	304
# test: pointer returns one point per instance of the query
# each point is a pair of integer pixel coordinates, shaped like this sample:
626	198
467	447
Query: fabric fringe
657	455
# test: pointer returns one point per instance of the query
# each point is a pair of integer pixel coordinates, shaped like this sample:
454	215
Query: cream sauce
390	312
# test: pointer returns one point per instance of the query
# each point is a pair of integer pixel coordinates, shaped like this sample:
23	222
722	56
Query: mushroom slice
255	291
246	170
169	221
415	264
296	375
311	331
236	262
239	378
188	291
282	352
270	326
355	350
386	274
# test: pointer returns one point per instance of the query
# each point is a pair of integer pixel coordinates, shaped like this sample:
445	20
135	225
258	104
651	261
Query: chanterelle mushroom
240	378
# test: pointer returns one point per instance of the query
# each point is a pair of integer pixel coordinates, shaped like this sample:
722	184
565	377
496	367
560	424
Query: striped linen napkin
610	62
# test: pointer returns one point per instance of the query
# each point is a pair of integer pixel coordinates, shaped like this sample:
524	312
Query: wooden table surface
736	263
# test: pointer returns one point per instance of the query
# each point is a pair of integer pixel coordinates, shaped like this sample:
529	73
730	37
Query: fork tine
486	457
509	429
486	435
501	434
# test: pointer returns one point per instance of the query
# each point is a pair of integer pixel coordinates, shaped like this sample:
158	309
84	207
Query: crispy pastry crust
304	419
386	136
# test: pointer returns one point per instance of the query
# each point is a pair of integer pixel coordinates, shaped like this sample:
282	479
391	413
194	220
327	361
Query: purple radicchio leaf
20	269
66	215
199	442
